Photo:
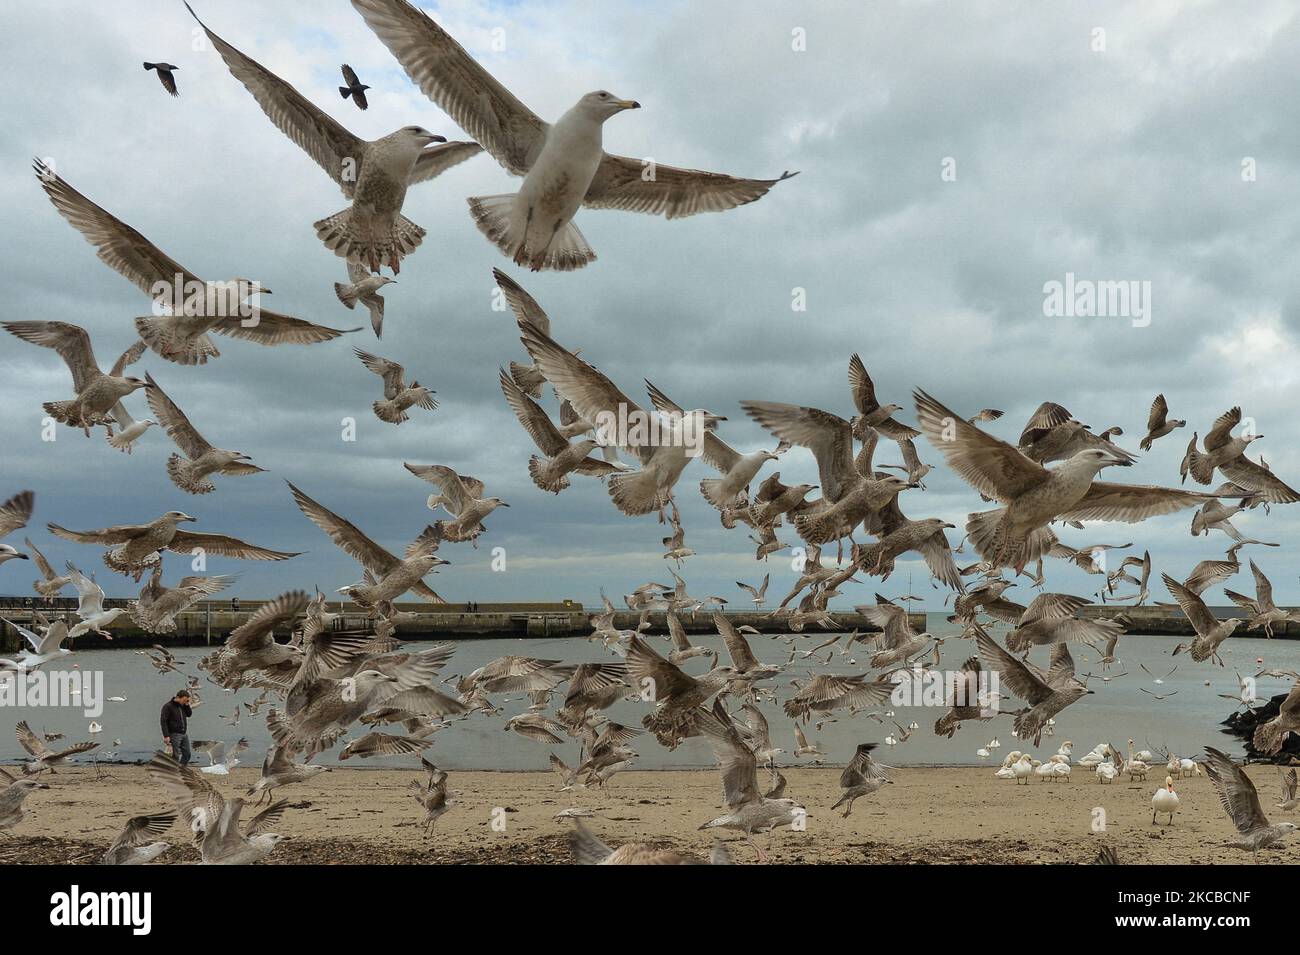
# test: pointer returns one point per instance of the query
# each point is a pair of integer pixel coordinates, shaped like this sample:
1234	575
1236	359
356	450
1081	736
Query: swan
1023	769
1061	771
1165	800
983	753
1136	768
1044	771
1066	749
95	728
1106	772
1190	767
1006	772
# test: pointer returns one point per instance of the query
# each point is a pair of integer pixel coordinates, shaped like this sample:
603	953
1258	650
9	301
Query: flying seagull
1159	423
398	395
1240	801
135	547
190	307
190	471
133	845
156	607
364	287
14	513
98	395
373	175
564	165
165	76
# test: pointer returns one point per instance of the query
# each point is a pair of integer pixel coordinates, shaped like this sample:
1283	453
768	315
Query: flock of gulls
368	695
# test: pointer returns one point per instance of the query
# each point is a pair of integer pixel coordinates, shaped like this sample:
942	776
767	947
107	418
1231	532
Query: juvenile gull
49	583
357	545
279	769
1054	618
748	810
364	287
201	460
1241	802
1228	454
759	594
564	165
1208	573
589	850
431	794
861	777
1217	515
677	695
384	744
373	175
898	641
182	335
962	698
166	76
1264	612
461	497
14	513
215	819
398	396
1270	736
1159	423
133	845
1015	535
597	399
871	413
737	469
137	547
1052	434
1047	694
12	796
156	608
252	645
1210	630
97	394
43	759
90	606
561	458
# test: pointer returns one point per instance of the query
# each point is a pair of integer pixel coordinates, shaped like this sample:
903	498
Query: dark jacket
173	718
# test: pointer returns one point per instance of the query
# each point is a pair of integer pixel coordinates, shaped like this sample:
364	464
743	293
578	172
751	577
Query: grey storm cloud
1117	164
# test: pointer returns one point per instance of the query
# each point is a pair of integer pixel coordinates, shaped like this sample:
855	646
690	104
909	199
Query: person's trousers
181	748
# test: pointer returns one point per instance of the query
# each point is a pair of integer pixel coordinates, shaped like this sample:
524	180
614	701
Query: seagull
861	777
560	457
215	819
1288	780
898	641
50	583
1264	612
220	760
43	648
564	165
364	287
589	850
252	645
1216	514
1210	630
1208	573
166	76
132	846
1270	736
14	513
97	394
597	399
737	469
827	692
1159	423
1047	694
963	700
759	594
279	769
384	744
683	650
200	460
357	545
460	496
129	430
42	758
90	606
355	88
1054	618
1053	434
678	695
1228	454
431	794
803	748
373	175
748	811
157	606
1241	802
871	413
13	794
135	547
1015	535
187	307
398	396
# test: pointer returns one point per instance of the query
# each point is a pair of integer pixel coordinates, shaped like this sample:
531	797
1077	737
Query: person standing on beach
174	722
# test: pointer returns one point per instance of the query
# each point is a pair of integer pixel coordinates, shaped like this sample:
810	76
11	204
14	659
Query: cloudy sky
1153	142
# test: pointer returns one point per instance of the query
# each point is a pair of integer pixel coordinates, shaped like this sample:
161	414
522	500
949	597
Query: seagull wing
1254	477
1131	502
139	829
257	630
449	76
534	419
346	535
525	307
716	452
30	741
1023	681
272	328
1159	413
196	799
72	343
186	541
988	464
118	246
117	534
437	159
642	185
1048	415
333	148
451	484
739	767
1193	606
1236	792
15	512
737	646
174	421
828	436
90	593
1221	433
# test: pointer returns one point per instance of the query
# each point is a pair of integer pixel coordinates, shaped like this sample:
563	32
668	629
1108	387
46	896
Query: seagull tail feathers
1199	466
156	332
566	251
347	294
636	492
538	471
711	488
182	474
1268	738
345	236
388	411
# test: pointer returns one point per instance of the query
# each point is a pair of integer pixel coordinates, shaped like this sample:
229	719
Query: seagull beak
22	556
434	138
628	104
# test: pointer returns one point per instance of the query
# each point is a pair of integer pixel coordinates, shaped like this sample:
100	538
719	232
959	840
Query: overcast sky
1114	155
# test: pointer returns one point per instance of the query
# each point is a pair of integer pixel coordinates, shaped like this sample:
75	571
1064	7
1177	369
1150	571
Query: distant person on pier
175	726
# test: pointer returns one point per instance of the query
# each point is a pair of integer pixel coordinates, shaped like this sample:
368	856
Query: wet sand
928	816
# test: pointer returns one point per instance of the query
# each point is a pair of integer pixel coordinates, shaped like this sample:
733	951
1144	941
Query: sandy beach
928	816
